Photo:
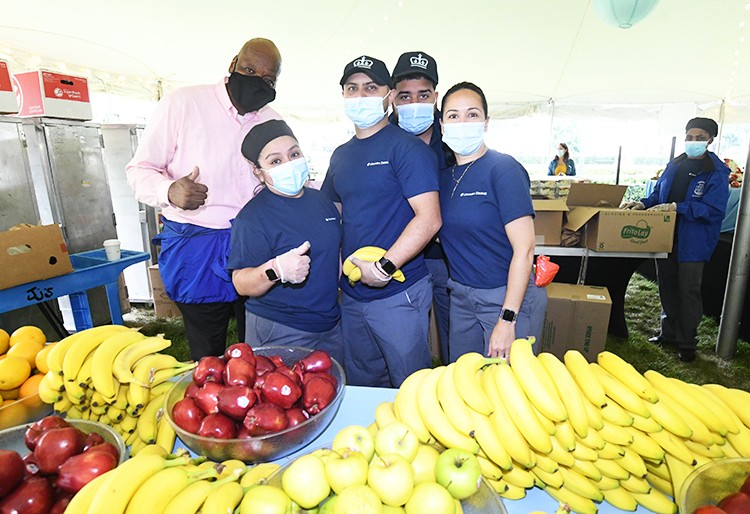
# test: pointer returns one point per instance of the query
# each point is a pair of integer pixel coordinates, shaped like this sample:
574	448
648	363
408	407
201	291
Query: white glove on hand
635	206
664	207
294	265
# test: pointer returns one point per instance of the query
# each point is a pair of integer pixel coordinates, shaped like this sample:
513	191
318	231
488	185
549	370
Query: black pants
681	301
206	325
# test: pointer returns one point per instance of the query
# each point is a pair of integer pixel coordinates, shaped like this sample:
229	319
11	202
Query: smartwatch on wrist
508	315
271	274
387	266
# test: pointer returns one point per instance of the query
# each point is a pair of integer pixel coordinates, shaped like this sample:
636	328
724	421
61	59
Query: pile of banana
156	482
585	432
367	254
114	375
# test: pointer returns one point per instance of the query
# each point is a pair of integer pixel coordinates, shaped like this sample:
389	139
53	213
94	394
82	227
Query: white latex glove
294	265
635	206
664	207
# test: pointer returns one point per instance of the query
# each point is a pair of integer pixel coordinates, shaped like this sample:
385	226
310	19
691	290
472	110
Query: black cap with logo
370	66
416	63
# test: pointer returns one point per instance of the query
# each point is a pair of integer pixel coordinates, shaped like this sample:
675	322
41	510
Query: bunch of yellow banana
585	432
367	254
156	482
114	375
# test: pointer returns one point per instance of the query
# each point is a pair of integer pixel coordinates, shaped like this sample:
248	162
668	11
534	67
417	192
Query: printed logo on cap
419	62
363	62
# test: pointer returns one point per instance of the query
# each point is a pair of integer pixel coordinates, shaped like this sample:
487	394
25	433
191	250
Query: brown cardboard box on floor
548	221
609	229
32	253
577	319
164	307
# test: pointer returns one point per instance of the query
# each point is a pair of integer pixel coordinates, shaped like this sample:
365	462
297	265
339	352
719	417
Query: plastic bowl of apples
714	483
255	404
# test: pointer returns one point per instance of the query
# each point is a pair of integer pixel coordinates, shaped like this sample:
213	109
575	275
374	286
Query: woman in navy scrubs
487	234
285	249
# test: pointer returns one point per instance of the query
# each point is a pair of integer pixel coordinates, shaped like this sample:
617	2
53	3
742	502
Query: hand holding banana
362	261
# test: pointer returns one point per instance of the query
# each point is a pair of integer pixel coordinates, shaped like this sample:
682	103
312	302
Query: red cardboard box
46	93
8	103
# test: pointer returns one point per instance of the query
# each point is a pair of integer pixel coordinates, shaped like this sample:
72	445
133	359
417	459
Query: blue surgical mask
561	153
289	178
364	111
416	117
464	138
695	149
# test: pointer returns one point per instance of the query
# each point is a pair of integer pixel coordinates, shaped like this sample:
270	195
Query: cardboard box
610	229
577	319
45	93
548	221
32	253
8	102
164	307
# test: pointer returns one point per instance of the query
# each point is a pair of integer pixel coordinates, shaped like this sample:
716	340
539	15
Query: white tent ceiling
521	52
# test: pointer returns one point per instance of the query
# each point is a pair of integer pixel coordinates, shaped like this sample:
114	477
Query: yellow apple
392	478
423	464
459	472
346	468
265	499
357	438
304	481
430	497
357	498
397	437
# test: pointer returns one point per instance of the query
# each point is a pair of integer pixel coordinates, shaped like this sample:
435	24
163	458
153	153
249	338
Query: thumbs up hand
186	193
294	265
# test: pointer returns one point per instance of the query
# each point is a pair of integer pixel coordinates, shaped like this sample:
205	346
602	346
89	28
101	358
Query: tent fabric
525	54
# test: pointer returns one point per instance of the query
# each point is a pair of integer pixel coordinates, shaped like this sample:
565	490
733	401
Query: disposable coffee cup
112	248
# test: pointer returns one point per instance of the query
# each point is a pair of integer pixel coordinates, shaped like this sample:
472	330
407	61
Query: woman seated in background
285	249
487	235
562	164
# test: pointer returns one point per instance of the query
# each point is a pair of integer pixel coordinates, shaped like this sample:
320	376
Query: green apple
387	509
323	453
397	437
423	464
459	472
305	481
265	499
392	478
355	437
345	468
327	507
357	498
430	497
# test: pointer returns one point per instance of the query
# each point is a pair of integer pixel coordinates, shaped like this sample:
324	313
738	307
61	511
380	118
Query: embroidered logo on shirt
698	192
331	219
475	193
378	163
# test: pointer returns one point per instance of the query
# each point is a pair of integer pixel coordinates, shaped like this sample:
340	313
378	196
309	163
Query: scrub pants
475	312
264	332
681	301
386	340
206	325
440	302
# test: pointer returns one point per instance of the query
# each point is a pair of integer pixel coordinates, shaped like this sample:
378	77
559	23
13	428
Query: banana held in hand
367	254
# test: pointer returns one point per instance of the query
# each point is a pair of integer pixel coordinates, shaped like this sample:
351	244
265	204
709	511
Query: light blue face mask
464	138
289	178
364	111
695	149
416	117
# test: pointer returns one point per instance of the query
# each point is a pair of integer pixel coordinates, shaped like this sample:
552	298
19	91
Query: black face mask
249	93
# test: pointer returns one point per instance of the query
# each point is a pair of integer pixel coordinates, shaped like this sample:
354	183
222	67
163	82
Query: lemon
4	341
41	358
26	349
27	332
13	372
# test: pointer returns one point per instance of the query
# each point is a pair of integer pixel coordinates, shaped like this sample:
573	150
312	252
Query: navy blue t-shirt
491	194
373	179
270	225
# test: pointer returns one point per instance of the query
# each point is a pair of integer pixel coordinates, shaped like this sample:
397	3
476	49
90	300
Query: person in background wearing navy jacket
694	185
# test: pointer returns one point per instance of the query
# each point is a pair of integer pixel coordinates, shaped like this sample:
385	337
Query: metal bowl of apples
713	483
208	431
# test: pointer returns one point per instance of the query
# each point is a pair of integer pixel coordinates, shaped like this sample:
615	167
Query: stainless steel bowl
711	483
266	447
13	438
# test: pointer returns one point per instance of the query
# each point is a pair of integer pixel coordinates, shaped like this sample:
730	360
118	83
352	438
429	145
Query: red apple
326	376
295	416
192	390
235	401
12	470
736	503
295	375
277	360
280	389
61	504
188	415
209	369
240	351
207	397
239	372
217	426
106	448
35	431
81	469
316	362
265	418
92	439
263	364
32	496
29	461
56	446
709	509
746	486
318	393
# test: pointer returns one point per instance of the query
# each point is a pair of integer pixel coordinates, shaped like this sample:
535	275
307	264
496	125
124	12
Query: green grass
642	311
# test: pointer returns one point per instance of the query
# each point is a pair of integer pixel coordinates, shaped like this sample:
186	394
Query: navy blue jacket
699	217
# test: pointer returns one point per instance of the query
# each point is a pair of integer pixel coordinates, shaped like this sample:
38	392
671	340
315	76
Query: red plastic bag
545	271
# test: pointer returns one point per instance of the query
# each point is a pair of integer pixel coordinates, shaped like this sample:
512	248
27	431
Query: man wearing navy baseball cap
385	183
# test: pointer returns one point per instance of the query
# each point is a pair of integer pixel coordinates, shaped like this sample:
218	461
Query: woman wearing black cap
694	185
285	249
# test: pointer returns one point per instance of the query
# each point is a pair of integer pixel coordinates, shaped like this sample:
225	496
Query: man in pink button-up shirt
189	164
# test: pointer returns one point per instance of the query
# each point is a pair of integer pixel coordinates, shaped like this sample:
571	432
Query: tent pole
671	151
739	268
619	161
551	143
722	110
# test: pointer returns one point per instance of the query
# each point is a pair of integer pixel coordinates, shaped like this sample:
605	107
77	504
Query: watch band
508	315
271	274
387	266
